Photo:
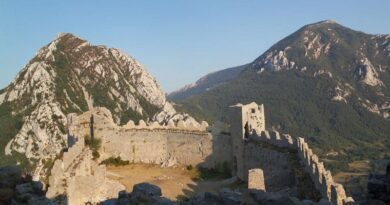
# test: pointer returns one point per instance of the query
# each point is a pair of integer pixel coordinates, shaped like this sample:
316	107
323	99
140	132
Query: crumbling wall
78	125
321	177
276	165
80	179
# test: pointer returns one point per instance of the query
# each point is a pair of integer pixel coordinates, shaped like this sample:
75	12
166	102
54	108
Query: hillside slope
69	75
326	82
206	83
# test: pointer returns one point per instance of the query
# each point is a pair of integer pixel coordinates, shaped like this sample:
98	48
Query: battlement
78	125
321	177
244	129
171	125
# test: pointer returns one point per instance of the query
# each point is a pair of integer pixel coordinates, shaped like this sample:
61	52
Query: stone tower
244	121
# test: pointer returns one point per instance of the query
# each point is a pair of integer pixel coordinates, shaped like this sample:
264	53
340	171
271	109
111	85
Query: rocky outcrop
80	179
69	75
18	189
367	73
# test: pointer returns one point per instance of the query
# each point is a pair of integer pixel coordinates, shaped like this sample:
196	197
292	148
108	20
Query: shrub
95	145
116	161
95	154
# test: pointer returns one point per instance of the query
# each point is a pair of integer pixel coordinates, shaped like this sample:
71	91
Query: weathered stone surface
146	189
230	197
82	179
256	180
24	188
16	189
338	194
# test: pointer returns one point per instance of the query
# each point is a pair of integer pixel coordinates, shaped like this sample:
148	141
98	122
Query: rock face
70	75
17	189
80	179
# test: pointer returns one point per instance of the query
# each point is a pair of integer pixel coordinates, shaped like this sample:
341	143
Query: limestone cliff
69	75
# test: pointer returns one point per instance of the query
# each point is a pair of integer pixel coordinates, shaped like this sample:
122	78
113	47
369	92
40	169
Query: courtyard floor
175	183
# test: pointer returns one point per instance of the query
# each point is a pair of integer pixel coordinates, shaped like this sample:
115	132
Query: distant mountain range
325	81
206	83
69	75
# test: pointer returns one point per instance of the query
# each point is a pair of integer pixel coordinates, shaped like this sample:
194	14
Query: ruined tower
244	121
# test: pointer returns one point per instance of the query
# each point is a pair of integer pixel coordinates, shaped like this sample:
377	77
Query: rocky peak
69	75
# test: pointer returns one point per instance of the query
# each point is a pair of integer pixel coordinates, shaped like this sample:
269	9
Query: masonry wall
321	177
276	165
80	178
157	147
174	143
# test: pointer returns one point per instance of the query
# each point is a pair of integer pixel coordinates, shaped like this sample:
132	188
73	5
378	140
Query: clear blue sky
178	41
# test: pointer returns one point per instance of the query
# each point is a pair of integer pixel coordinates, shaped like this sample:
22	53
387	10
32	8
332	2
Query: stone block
130	125
146	189
171	124
154	125
181	125
256	180
289	140
337	194
265	135
141	125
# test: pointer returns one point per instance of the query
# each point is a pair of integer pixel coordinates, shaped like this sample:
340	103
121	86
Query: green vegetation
300	104
9	127
130	114
116	161
94	145
64	70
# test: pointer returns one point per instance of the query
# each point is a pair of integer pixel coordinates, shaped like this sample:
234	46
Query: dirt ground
175	183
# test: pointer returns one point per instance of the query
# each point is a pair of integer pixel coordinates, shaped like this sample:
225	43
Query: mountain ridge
325	81
207	82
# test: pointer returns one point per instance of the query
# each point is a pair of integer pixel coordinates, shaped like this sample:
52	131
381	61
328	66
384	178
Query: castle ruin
248	128
262	158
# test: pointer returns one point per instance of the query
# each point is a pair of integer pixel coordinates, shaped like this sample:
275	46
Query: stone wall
79	179
78	125
167	145
321	177
276	165
156	147
244	119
